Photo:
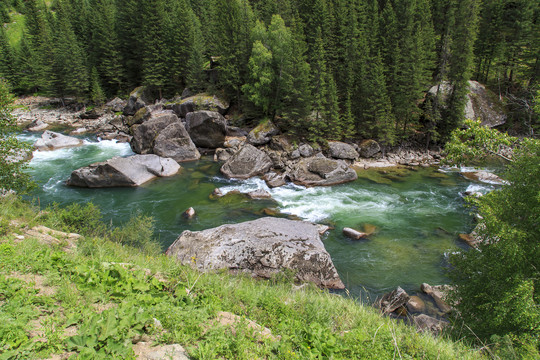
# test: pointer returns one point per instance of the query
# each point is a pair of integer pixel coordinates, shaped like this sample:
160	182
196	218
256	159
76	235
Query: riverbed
416	214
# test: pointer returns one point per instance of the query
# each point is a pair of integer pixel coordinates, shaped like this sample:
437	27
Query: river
417	213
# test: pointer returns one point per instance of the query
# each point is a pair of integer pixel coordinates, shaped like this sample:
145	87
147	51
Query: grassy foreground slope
92	298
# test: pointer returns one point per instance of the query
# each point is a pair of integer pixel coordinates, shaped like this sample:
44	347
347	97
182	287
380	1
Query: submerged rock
247	162
394	300
130	171
51	141
320	171
483	176
354	234
263	247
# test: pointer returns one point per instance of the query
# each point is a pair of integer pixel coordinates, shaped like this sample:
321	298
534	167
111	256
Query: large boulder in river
174	142
341	150
247	162
51	141
145	134
262	133
130	171
481	103
263	247
320	171
199	102
206	128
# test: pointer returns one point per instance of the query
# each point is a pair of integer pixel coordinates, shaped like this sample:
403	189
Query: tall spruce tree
154	50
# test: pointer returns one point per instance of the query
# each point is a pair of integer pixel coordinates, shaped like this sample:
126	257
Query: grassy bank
95	296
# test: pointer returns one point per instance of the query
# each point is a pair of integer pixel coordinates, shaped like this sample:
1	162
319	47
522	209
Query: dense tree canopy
325	68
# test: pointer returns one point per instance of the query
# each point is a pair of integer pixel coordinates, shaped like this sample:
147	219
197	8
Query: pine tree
105	54
8	61
69	75
195	76
97	95
131	39
178	40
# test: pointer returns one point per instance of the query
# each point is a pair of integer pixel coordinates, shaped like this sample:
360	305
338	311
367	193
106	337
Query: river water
417	214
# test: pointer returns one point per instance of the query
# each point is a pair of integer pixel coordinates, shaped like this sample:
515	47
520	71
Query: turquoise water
416	214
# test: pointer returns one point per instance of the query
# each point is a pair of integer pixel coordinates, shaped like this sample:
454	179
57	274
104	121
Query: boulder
140	116
262	133
247	162
138	98
92	114
189	213
51	141
369	148
174	142
145	134
320	171
259	194
305	150
481	103
262	247
354	234
199	102
425	322
281	143
416	304
129	171
234	142
206	128
116	105
483	176
341	150
274	180
394	300
223	155
437	295
37	125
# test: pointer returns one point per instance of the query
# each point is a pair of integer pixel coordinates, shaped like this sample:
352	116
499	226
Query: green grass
110	293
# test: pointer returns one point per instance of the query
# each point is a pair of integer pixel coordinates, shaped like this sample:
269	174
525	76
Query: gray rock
394	300
174	142
199	102
354	234
143	351
320	171
116	105
138	98
129	171
295	154
51	141
416	304
259	194
206	128
262	133
424	323
437	295
223	155
483	176
140	116
305	150
37	125
369	148
247	162
274	180
234	141
263	247
341	150
145	134
281	143
481	103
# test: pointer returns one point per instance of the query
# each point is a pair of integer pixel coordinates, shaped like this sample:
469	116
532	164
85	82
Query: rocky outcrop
320	171
247	162
341	150
481	103
206	128
438	295
369	148
262	134
164	135
140	116
394	300
37	125
116	105
130	171
274	180
198	102
262	247
52	141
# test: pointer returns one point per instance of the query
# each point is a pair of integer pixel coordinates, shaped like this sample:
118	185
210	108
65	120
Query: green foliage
138	232
13	153
82	219
476	143
489	301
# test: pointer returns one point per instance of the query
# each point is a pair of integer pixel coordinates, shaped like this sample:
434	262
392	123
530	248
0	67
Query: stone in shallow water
263	247
130	171
51	141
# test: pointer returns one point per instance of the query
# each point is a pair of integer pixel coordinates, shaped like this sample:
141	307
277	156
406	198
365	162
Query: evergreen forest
322	69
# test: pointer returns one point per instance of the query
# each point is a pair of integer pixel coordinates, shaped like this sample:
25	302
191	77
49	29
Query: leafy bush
82	219
138	232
